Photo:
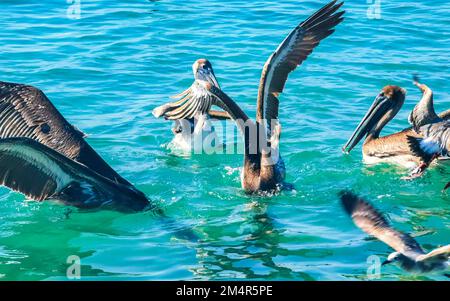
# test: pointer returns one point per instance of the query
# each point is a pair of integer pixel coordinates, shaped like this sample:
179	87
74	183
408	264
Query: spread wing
192	101
439	253
290	54
436	137
373	223
25	111
28	167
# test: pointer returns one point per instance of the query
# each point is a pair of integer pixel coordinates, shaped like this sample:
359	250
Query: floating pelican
394	148
264	168
192	122
51	160
408	253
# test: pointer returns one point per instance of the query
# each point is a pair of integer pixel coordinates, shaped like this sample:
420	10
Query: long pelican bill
379	107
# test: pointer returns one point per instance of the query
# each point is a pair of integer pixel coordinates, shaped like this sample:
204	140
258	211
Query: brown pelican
263	167
30	165
193	123
394	148
408	253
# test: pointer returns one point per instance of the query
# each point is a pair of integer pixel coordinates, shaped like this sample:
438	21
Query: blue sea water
108	65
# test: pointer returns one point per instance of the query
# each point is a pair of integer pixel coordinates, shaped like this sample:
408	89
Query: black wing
25	111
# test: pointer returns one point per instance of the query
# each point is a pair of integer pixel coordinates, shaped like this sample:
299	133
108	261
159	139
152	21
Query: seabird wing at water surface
41	173
25	111
368	219
290	54
32	169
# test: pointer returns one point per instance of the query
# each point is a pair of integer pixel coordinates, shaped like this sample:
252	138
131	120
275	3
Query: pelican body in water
395	148
193	124
43	156
408	253
264	169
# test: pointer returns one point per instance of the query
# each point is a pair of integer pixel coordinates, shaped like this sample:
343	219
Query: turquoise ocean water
108	69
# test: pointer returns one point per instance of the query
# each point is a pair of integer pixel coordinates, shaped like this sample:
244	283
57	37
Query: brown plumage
25	111
41	173
43	156
195	100
394	148
291	53
264	168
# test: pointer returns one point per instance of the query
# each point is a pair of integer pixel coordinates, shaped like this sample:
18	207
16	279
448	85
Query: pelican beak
207	75
379	107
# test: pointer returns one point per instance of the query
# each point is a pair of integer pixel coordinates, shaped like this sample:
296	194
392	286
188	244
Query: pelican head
385	106
203	71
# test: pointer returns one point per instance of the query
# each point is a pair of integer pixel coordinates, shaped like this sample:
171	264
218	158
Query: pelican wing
192	101
40	173
373	223
439	253
31	168
290	54
436	139
425	149
25	111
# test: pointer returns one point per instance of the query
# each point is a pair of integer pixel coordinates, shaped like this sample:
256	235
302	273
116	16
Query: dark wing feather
25	111
40	173
419	149
192	101
436	136
373	223
30	171
290	54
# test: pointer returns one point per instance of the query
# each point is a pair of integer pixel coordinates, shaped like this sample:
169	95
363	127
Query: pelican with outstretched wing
264	168
192	112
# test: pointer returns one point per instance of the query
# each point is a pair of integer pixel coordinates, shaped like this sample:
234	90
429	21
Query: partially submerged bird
264	168
408	253
394	148
30	165
42	173
193	119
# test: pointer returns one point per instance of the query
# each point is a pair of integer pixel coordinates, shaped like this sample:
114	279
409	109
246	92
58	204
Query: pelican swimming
263	169
408	253
394	148
43	156
193	124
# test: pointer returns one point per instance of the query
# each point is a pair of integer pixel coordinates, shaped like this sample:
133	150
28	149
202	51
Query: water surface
107	70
